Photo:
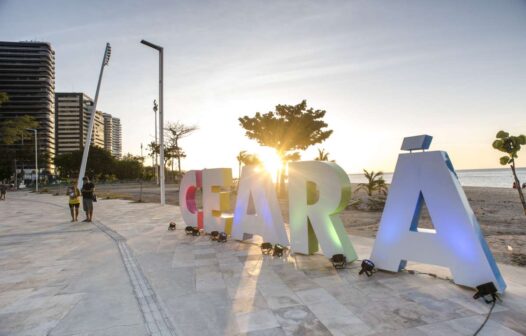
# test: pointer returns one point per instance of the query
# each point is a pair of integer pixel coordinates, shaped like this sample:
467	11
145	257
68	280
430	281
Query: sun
270	160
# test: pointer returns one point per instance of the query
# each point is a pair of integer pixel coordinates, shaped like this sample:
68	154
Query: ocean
494	178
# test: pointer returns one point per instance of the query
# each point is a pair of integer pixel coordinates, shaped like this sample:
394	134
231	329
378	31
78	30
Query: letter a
318	192
456	242
267	221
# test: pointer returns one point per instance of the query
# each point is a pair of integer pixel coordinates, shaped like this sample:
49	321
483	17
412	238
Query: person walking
74	200
3	191
87	191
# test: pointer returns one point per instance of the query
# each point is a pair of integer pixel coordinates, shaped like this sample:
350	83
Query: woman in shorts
74	200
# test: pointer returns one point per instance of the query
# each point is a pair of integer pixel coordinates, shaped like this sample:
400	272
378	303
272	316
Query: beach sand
498	211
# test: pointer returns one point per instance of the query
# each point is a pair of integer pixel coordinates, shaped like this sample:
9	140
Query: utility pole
161	117
36	156
155	154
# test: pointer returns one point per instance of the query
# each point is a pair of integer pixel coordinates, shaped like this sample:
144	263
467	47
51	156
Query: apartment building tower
112	135
27	75
73	111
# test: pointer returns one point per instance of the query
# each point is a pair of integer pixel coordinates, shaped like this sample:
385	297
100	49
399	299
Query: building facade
27	75
72	114
112	135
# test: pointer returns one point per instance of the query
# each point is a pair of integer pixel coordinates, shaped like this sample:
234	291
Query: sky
382	70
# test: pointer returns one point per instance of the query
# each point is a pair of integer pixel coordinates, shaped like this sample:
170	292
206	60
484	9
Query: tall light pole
161	117
36	156
82	172
155	154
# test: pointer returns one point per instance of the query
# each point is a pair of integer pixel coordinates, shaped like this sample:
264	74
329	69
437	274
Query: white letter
216	201
318	192
267	221
190	182
457	242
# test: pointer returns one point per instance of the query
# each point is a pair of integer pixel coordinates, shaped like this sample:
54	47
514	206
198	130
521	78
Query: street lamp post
82	171
161	117
36	156
155	154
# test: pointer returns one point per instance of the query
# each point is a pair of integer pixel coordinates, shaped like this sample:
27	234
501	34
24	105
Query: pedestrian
74	200
87	191
3	191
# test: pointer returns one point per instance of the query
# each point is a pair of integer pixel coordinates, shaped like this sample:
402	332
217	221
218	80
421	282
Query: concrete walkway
126	274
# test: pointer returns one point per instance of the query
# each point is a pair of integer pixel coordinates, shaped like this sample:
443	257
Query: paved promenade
126	274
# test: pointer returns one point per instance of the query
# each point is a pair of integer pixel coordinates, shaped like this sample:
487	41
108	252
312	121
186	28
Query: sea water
494	178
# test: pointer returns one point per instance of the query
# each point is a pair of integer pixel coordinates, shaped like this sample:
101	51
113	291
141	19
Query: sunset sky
382	70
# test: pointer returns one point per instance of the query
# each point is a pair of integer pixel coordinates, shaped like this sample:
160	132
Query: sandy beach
498	210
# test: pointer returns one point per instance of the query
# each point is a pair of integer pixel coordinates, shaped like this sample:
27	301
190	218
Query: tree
322	155
288	129
4	98
240	159
177	131
375	183
100	165
15	130
13	149
511	145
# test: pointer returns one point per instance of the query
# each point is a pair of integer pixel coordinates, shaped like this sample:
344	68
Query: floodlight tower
105	61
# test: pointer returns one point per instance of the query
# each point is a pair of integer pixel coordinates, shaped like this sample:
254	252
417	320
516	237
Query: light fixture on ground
161	117
214	235
486	290
189	230
367	267
171	226
339	261
222	238
266	248
278	250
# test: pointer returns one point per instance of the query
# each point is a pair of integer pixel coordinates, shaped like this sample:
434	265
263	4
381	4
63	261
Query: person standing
87	198
3	191
74	200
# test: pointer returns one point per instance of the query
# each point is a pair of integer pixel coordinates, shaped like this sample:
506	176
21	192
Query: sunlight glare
270	160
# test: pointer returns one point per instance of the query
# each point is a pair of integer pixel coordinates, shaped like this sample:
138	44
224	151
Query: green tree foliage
4	98
375	183
288	129
15	130
101	165
322	155
511	145
17	144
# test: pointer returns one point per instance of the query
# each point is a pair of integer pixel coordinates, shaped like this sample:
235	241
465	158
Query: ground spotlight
278	250
367	267
189	230
196	232
171	226
222	237
339	261
486	290
214	235
266	248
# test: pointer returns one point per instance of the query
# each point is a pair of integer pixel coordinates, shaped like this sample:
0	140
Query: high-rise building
112	135
73	111
27	75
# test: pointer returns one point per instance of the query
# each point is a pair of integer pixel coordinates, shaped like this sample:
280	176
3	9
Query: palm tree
322	155
241	157
375	183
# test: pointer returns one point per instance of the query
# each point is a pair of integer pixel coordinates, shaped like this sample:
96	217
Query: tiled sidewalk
61	278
